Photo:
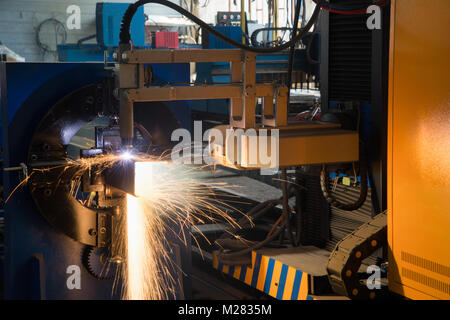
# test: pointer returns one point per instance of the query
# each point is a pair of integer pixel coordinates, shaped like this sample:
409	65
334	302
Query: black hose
363	191
292	51
234	244
235	251
254	36
256	212
129	13
310	41
308	49
233	257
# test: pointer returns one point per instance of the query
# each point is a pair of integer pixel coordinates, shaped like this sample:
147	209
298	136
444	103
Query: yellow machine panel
419	149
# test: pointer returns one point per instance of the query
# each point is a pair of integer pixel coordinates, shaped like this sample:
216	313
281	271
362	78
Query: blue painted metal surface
32	89
83	52
108	19
232	32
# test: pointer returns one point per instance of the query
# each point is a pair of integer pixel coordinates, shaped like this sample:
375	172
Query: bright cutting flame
146	256
135	249
169	201
126	155
145	253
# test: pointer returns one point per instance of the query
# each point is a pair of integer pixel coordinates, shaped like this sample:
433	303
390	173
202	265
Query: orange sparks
170	198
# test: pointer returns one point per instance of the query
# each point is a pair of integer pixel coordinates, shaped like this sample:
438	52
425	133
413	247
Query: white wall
209	12
20	18
157	9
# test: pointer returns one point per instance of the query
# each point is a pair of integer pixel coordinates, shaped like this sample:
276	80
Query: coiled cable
363	191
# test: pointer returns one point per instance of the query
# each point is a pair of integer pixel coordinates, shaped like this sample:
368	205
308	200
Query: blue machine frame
36	255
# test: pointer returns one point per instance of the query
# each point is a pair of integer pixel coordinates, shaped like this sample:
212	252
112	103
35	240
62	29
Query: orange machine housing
419	149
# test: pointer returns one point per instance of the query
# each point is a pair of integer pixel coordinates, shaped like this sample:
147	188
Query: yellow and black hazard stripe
270	276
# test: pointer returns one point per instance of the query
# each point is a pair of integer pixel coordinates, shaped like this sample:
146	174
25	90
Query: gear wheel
96	262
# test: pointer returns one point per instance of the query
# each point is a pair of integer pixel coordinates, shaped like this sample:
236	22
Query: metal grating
350	55
323	225
315	219
344	222
426	264
427	281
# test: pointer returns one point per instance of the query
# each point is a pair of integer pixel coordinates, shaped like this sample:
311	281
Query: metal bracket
23	167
